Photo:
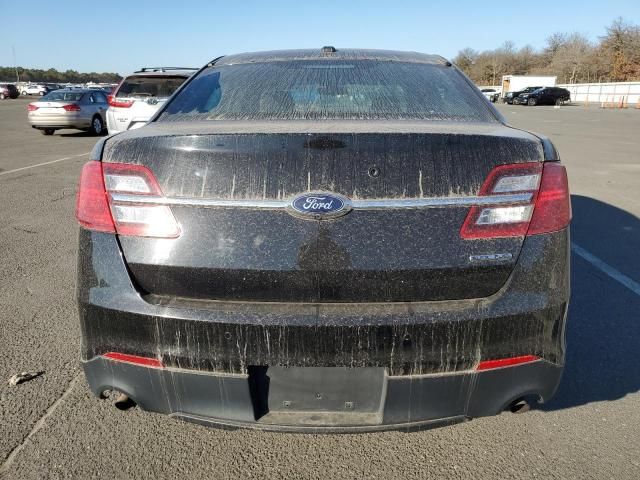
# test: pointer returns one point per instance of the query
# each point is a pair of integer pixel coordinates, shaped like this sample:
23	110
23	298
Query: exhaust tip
123	402
520	406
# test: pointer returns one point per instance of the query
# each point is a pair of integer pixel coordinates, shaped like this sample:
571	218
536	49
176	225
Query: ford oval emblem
319	205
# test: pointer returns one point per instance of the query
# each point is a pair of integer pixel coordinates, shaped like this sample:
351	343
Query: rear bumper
404	403
427	351
59	121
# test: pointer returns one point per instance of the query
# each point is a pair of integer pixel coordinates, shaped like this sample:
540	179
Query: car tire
41	93
97	125
25	93
559	101
47	131
531	102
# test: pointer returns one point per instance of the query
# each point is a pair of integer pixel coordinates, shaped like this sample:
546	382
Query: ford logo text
319	205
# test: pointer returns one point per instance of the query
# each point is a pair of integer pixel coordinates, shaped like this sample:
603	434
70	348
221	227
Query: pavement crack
26	230
66	193
38	425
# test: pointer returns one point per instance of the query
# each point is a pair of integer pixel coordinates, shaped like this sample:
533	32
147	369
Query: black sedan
324	241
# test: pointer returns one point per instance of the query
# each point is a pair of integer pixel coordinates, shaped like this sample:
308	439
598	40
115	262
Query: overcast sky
120	36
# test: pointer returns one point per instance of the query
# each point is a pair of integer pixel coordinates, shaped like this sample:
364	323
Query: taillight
31	107
72	107
114	102
553	204
122	200
92	207
542	205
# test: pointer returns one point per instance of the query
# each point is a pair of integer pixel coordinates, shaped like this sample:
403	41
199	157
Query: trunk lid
52	108
246	253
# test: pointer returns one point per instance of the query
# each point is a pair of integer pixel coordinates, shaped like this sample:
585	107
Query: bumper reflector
134	359
506	362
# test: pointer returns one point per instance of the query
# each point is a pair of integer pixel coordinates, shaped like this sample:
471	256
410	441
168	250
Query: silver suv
33	89
141	94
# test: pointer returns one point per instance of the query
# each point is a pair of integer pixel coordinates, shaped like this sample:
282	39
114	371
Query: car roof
336	54
78	90
161	73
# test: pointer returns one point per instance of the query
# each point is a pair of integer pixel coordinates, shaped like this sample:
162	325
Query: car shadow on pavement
603	329
78	134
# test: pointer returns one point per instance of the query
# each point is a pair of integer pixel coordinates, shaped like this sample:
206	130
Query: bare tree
465	59
572	57
621	46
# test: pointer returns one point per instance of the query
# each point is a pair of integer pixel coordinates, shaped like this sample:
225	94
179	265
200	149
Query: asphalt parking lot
51	427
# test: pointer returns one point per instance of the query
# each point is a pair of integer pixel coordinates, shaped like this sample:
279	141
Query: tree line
572	57
11	74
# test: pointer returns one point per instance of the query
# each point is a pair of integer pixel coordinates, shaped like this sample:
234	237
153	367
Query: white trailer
516	83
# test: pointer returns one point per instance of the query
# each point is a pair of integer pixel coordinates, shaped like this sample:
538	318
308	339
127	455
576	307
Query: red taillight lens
92	207
31	107
506	362
130	195
546	200
72	108
114	102
553	204
134	359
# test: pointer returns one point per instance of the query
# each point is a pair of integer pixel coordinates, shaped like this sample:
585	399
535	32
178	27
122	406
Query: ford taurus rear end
324	241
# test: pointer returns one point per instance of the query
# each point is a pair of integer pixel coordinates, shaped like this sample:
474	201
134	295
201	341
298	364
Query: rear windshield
147	86
328	89
59	96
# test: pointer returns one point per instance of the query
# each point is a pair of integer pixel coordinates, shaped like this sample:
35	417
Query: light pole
13	49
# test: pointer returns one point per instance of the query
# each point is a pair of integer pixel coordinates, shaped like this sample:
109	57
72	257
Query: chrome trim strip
199	202
435	202
372	204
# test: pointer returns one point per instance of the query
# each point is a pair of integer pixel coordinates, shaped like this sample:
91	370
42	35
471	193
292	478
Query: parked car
491	93
511	97
324	240
544	96
80	109
35	90
8	90
53	86
141	94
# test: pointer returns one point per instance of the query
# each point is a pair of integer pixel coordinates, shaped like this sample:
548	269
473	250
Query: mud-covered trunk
240	252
